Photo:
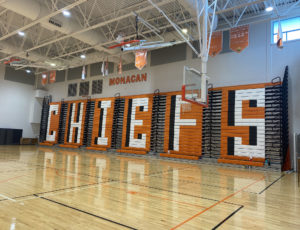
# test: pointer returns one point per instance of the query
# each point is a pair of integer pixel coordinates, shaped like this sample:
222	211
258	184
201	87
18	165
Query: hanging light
21	33
66	13
184	30
269	9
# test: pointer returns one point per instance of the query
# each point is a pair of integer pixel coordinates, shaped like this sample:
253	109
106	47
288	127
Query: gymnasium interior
149	114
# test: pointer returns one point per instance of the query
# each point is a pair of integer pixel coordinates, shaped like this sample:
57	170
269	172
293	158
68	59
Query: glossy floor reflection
44	188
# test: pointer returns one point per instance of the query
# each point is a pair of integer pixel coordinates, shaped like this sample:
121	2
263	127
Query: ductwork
190	6
150	46
8	48
34	10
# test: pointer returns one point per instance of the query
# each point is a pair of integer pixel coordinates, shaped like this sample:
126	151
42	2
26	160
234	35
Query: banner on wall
140	59
216	43
279	36
83	73
104	67
239	38
52	76
120	71
44	79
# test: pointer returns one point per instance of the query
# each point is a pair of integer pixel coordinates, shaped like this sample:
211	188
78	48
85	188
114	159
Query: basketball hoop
120	37
12	60
124	43
195	87
206	23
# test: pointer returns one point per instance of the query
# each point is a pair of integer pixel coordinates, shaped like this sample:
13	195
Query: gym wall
16	102
242	125
260	62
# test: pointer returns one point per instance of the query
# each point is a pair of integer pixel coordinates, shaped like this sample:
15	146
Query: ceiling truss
111	18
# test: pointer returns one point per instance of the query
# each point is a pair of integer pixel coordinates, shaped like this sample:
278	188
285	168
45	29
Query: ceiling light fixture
66	13
21	33
53	64
269	9
28	71
184	30
82	56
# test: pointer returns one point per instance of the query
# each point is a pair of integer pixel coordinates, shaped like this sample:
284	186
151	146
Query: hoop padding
123	44
12	60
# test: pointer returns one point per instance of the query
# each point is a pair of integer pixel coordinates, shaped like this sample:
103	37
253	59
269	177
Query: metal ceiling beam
3	11
292	7
41	19
259	18
87	29
239	6
241	15
126	37
174	26
225	18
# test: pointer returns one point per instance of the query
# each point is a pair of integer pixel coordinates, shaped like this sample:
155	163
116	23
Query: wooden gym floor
61	189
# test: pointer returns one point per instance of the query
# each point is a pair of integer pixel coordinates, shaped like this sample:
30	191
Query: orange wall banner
216	44
239	38
140	59
52	76
44	78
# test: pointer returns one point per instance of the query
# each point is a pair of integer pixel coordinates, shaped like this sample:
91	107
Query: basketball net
120	37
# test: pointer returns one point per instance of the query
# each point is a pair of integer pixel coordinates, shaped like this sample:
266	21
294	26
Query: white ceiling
105	20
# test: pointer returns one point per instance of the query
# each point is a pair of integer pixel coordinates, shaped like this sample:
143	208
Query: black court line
271	184
56	190
88	175
155	173
169	170
54	168
19	170
227	218
180	193
62	189
88	213
192	182
124	182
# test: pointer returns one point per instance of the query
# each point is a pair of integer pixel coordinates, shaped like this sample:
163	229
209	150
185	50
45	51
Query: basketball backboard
195	87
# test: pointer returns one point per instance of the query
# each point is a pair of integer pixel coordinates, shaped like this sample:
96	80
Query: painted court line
228	217
104	183
64	190
8	198
12	178
159	197
54	192
271	184
88	213
180	193
192	182
215	204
